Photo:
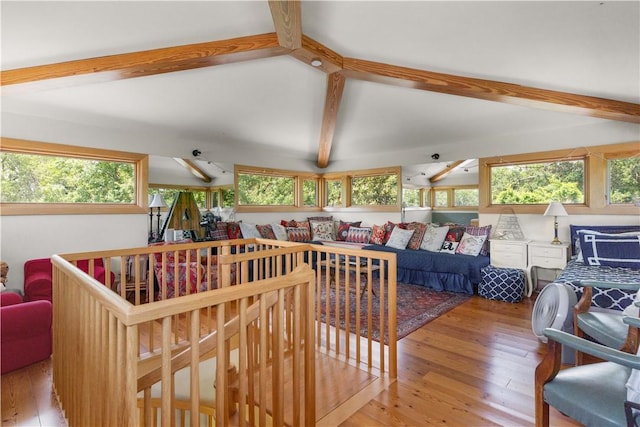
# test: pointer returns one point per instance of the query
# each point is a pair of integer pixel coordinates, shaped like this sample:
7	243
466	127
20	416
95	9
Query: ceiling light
316	62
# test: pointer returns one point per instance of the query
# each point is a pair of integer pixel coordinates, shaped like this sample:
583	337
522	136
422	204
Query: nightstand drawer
509	259
547	252
546	262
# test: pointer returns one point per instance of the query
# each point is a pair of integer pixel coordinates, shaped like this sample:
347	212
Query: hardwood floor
473	366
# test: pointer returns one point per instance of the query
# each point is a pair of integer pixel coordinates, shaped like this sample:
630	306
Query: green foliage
310	192
441	198
466	197
624	180
334	192
265	190
374	190
228	197
28	178
411	197
538	183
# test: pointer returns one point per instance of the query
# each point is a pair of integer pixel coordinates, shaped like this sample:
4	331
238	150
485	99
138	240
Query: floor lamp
555	209
157	202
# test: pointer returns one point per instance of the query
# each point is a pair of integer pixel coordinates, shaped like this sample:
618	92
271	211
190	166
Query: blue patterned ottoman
502	284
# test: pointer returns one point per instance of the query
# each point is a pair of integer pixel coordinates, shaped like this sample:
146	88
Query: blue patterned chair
599	394
605	327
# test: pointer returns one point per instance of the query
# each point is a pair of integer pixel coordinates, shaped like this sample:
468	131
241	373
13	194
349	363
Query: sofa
38	277
437	270
25	331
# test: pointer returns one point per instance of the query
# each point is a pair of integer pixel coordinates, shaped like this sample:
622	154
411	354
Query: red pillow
343	229
233	231
377	235
388	228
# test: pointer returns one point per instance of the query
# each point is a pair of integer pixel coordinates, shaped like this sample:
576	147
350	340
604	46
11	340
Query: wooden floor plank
474	365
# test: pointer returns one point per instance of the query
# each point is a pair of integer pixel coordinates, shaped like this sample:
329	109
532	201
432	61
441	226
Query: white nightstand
546	255
509	253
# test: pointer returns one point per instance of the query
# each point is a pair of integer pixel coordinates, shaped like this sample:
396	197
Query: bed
576	270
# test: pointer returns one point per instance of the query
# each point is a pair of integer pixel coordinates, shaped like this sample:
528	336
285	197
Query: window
265	190
169	194
334	192
377	190
465	197
440	198
64	180
538	183
261	189
623	181
310	192
411	197
599	179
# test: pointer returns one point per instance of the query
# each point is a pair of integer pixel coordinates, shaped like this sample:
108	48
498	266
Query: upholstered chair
604	326
25	331
598	394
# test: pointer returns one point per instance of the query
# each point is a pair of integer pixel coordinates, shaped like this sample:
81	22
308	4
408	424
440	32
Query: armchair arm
594	349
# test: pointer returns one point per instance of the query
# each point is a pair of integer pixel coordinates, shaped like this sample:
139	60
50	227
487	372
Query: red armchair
38	275
25	331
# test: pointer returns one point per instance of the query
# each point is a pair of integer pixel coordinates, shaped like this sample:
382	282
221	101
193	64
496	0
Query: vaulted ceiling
398	81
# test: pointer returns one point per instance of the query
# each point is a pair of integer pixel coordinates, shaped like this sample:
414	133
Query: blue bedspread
440	271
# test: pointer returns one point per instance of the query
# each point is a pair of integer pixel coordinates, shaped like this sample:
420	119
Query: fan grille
545	310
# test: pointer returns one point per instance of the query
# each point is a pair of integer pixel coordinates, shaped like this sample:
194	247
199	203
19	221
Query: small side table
546	255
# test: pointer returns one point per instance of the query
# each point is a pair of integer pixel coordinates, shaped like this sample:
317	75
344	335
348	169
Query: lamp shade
555	209
157	202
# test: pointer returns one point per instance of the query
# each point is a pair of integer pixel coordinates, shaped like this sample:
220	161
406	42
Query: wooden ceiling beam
143	63
287	19
331	62
335	87
491	90
446	171
192	167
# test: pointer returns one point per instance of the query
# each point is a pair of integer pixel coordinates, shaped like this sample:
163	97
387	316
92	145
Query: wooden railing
110	348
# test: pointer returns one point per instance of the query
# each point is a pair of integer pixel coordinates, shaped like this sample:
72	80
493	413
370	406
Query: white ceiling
268	112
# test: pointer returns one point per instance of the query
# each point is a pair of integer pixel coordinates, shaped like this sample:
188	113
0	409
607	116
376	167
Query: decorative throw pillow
388	228
322	230
454	234
298	234
485	230
266	231
434	238
234	231
280	231
419	229
449	247
612	250
358	235
343	229
218	234
377	235
249	231
471	245
399	238
286	223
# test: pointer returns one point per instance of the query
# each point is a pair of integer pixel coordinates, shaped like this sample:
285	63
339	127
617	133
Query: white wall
540	227
40	236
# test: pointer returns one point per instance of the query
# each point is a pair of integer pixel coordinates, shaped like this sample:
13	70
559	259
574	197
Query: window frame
595	185
347	177
141	171
450	190
298	189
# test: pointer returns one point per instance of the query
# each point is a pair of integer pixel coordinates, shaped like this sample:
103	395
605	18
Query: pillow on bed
576	245
471	245
322	230
433	238
399	238
612	250
485	230
358	235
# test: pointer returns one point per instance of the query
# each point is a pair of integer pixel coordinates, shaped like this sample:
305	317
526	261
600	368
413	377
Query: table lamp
555	209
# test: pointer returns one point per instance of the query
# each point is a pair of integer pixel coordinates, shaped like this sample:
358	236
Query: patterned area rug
417	306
